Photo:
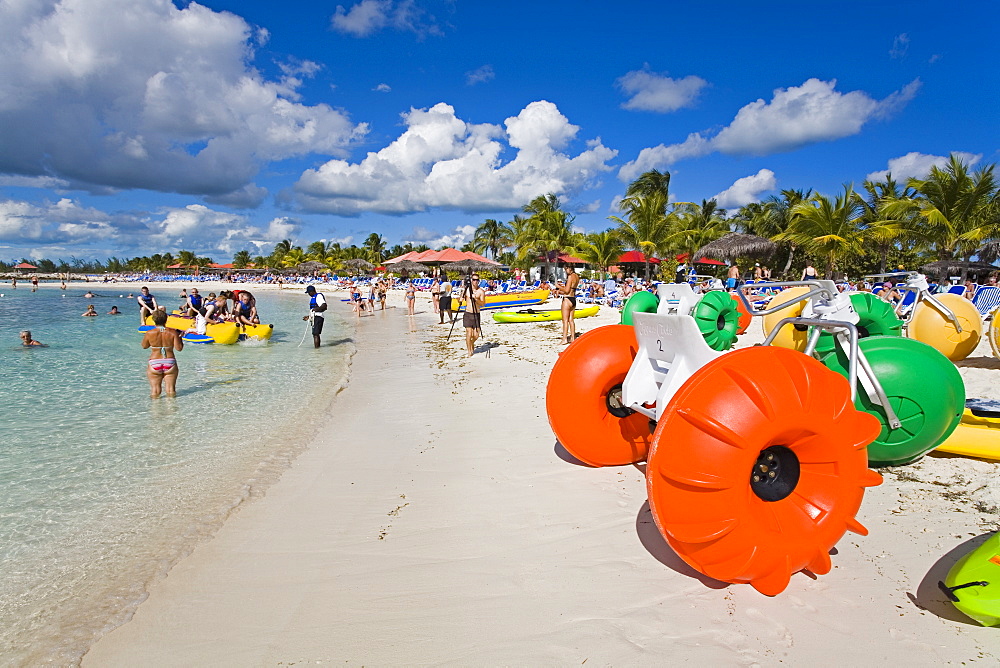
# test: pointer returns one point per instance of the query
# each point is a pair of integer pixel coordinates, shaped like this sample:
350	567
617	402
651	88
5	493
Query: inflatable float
223	333
533	315
973	583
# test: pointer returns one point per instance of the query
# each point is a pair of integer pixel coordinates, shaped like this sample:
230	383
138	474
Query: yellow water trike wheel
932	327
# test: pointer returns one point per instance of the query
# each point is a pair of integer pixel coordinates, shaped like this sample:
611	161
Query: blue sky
130	127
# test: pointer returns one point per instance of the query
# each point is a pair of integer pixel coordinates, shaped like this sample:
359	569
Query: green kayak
973	584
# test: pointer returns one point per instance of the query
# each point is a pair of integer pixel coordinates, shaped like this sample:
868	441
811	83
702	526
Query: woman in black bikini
568	294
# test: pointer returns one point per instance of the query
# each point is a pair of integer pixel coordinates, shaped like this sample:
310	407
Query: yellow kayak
542	315
975	436
506	300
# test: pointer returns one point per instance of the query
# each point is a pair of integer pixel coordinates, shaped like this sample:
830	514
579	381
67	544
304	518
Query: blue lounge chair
986	299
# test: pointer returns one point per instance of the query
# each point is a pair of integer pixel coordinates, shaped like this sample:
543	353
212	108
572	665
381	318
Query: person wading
317	304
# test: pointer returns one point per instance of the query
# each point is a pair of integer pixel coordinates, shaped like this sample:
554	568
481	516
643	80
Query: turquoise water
102	489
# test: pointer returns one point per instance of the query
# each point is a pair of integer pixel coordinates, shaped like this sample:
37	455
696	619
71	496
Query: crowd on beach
448	298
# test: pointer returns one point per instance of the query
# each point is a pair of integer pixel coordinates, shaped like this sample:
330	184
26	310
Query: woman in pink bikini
162	368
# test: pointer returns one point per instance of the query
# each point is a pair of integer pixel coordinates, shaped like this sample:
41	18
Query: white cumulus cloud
457	238
918	165
68	226
363	19
479	75
442	161
793	118
64	221
110	94
205	230
650	91
368	17
747	189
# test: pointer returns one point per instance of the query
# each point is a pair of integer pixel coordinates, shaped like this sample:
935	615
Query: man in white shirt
317	304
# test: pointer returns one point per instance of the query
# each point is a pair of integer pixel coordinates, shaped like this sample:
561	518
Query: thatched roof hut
734	245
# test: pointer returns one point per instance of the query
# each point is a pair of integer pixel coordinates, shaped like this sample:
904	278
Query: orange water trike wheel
583	399
745	317
758	466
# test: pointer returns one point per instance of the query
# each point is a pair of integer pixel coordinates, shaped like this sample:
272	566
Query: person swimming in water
114	311
29	342
91	312
89	295
161	370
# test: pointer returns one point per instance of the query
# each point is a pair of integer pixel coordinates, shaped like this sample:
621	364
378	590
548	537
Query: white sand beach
434	520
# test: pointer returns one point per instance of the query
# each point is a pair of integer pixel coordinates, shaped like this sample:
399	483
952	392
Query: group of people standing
365	301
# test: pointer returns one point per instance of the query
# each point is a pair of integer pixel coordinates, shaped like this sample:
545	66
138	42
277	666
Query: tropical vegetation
952	214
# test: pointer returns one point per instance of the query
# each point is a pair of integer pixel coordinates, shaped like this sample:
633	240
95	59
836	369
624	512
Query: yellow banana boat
223	333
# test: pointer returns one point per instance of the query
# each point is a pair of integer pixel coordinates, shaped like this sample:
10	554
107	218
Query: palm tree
241	259
548	231
829	229
187	258
602	248
692	226
278	254
293	258
645	226
491	236
649	184
375	246
774	218
880	224
959	210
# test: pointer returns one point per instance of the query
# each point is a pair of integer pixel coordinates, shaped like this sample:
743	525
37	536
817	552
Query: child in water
90	312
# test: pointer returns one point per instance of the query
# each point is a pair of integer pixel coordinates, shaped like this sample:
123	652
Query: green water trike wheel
641	302
924	389
718	319
876	318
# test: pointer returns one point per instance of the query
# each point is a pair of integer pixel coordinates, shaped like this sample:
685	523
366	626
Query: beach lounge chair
986	299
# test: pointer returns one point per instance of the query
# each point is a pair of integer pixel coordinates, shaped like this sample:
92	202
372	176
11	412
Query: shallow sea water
102	489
